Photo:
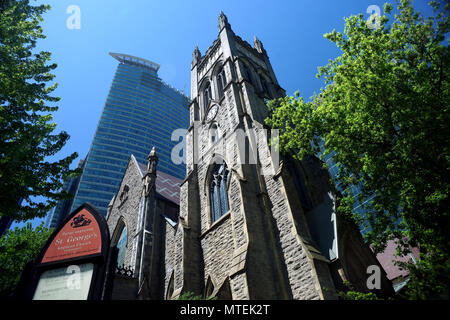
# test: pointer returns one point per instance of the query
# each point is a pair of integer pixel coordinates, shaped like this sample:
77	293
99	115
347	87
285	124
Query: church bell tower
252	224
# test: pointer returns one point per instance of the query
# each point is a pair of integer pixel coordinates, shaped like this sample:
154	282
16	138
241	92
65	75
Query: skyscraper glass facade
141	111
62	208
356	189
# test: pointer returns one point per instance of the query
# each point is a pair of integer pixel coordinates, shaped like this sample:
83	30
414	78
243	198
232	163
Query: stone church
243	224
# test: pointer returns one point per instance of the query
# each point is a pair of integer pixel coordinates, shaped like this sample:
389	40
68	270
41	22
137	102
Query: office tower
5	223
62	209
358	207
141	112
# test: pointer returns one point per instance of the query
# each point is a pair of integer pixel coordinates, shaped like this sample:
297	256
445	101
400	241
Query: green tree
26	104
351	294
384	111
17	247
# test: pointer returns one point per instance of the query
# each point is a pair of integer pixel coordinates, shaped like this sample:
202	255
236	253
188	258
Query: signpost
61	284
73	263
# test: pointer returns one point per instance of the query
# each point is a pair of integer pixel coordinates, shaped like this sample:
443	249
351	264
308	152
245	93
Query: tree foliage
384	113
17	247
351	294
26	126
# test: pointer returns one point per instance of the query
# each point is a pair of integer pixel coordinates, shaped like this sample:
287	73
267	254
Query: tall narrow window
265	87
246	73
213	133
224	77
207	95
196	112
122	247
220	85
221	82
218	191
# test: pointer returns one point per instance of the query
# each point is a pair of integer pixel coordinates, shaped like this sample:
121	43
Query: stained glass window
122	247
218	191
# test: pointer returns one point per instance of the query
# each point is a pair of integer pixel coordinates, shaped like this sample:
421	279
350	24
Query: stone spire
152	161
223	21
196	55
257	44
150	176
146	239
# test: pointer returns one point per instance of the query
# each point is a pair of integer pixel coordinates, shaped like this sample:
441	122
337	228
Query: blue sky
166	32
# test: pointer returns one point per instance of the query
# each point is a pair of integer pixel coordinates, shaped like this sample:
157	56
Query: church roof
167	186
389	256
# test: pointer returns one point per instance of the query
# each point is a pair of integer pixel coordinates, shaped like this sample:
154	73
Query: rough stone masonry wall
218	249
300	273
231	118
178	257
238	220
234	160
217	242
239	289
189	152
129	209
178	240
221	241
169	254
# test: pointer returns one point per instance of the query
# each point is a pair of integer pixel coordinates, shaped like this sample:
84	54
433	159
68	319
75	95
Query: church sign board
73	263
80	237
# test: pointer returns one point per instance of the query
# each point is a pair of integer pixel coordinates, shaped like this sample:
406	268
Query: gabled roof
388	256
167	186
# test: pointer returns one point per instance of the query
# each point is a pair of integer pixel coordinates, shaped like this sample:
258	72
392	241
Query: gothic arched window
265	87
218	191
122	247
206	95
221	82
246	73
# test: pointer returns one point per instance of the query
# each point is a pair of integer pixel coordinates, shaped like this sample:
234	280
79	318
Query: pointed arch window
218	191
246	73
265	87
207	95
122	247
221	82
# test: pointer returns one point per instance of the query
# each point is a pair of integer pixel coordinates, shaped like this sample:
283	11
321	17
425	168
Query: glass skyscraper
356	189
63	207
141	111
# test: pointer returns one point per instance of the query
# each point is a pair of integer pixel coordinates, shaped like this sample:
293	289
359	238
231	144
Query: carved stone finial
152	161
196	55
257	44
223	21
150	176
